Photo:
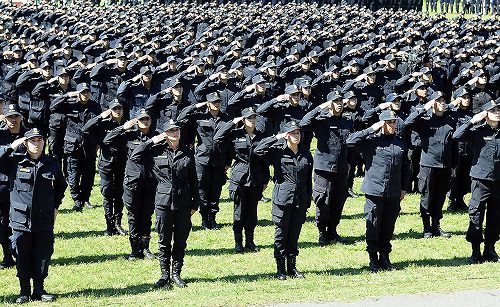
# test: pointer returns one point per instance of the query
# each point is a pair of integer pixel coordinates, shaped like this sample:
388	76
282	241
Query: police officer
249	176
139	184
12	131
80	153
330	165
384	184
437	159
484	139
211	164
111	165
37	192
291	194
176	200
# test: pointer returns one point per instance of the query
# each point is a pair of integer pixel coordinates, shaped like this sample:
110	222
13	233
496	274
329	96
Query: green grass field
90	269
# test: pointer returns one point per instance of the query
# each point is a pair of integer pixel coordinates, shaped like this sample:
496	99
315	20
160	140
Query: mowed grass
90	269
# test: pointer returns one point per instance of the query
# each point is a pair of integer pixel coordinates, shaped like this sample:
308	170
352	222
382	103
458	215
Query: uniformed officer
384	184
176	200
139	184
12	131
80	154
484	139
37	192
211	164
437	159
330	165
249	175
111	165
291	194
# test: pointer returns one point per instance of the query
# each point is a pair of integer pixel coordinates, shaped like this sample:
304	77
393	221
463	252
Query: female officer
249	175
176	199
291	195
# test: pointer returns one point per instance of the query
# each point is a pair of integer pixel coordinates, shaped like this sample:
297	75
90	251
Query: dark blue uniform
330	169
385	177
37	191
485	172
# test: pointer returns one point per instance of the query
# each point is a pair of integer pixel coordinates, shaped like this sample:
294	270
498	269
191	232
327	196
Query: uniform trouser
176	225
414	157
354	160
5	230
56	145
485	200
288	222
245	200
380	214
32	251
434	183
211	179
81	171
112	193
329	194
140	207
460	179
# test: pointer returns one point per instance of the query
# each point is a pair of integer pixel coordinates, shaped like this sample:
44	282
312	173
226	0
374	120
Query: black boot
323	239
213	221
176	274
145	248
238	242
8	261
462	206
249	242
24	294
291	263
136	253
475	258
427	227
280	269
489	253
39	293
437	231
164	281
78	206
452	206
205	221
118	226
88	205
334	237
110	226
374	264
385	262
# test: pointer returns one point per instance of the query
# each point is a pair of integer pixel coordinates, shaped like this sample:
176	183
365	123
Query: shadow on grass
221	225
86	259
79	234
413	234
109	292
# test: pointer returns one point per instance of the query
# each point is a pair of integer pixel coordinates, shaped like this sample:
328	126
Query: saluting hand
479	117
378	125
201	104
385	105
106	113
250	88
17	142
325	105
129	124
237	120
429	105
283	97
159	138
281	135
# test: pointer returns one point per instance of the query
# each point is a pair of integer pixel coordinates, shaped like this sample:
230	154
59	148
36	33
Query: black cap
247	112
460	92
173	82
436	95
258	79
169	125
11	109
387	115
290	126
114	103
61	72
142	114
332	96
418	85
291	89
120	55
82	87
391	97
213	97
145	69
303	82
33	133
349	94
